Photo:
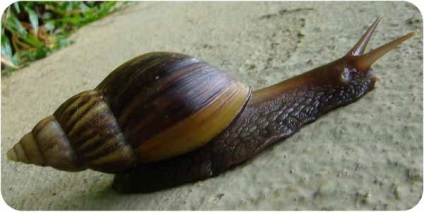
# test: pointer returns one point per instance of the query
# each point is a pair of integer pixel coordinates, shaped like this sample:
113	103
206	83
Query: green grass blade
33	18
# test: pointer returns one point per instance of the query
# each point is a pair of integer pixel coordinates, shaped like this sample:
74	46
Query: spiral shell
151	108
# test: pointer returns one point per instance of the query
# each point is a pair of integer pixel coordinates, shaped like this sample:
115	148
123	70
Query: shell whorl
173	103
54	150
82	133
151	108
94	133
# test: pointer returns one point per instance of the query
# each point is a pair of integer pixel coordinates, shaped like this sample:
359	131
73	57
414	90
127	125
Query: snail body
165	119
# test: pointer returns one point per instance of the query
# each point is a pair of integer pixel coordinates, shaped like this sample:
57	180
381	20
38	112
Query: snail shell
152	107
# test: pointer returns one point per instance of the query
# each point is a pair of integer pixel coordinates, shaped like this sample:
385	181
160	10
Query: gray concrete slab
364	156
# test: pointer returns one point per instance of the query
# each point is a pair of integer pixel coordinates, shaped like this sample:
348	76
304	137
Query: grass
33	30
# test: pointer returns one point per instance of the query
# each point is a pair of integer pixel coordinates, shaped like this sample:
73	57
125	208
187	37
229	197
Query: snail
165	119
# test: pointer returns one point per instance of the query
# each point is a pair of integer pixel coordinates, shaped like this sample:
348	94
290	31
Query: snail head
352	74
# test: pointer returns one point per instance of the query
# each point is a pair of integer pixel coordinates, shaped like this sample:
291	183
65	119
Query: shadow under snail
165	119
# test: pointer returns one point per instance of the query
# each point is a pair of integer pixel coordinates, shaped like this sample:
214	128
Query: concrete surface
364	156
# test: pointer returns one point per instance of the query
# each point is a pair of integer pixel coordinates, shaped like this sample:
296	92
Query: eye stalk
362	43
363	62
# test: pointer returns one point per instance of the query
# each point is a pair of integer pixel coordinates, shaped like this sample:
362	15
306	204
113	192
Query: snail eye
345	76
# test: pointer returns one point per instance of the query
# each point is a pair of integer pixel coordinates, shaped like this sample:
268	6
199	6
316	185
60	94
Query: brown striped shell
152	107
